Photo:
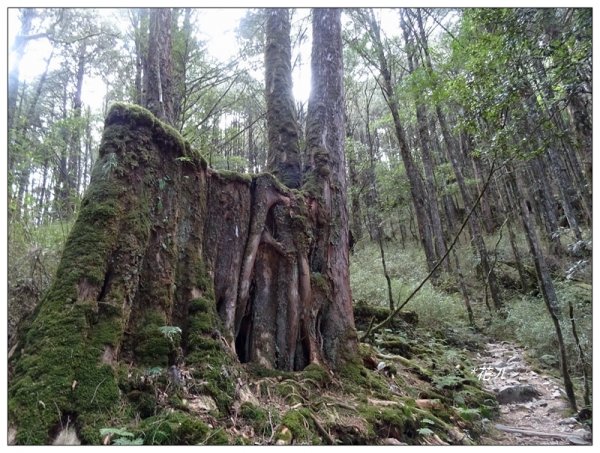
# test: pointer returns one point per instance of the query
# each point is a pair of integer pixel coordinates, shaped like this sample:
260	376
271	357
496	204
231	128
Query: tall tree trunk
417	189
488	272
61	193
74	159
424	140
284	150
505	202
325	133
43	189
158	83
487	217
548	204
356	211
454	154
545	282
139	22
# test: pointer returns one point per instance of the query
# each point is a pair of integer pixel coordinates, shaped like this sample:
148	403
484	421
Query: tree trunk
158	83
282	125
139	22
474	227
356	212
417	189
74	159
545	282
325	144
424	140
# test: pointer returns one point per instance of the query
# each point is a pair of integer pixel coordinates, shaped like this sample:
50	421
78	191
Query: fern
170	331
468	414
110	164
425	432
123	437
447	382
127	442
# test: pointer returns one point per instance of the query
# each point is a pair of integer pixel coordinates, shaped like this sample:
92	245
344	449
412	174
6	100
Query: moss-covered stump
174	268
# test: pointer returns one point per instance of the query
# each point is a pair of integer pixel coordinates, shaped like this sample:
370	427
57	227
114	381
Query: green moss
356	379
206	352
301	425
290	392
135	117
257	417
260	371
178	428
318	281
233	176
397	422
145	403
397	345
203	279
473	397
317	374
151	346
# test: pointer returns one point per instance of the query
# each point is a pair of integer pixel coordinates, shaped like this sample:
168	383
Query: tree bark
417	189
424	140
325	133
545	282
158	83
283	132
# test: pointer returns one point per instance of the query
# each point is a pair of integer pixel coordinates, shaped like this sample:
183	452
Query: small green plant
447	382
110	164
119	436
468	414
425	432
170	332
162	182
154	371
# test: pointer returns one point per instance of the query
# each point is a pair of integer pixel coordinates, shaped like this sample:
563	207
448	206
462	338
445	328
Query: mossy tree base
161	240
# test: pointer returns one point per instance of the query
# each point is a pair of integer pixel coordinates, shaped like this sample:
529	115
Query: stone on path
517	394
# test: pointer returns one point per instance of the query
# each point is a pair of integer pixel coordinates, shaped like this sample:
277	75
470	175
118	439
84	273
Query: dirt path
528	400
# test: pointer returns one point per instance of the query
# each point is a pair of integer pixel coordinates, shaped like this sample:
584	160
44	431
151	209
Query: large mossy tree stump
237	262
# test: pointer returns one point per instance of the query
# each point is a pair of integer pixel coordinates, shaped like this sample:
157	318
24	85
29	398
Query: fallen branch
531	432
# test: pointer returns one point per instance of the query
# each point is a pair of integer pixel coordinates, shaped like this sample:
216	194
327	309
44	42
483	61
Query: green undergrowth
435	308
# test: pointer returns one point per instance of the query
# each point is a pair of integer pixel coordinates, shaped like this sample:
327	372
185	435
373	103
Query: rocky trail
533	408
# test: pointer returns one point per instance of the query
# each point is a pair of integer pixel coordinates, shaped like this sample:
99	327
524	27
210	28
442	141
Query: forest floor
531	401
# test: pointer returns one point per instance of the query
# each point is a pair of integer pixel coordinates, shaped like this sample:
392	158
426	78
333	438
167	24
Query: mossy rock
364	313
397	345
